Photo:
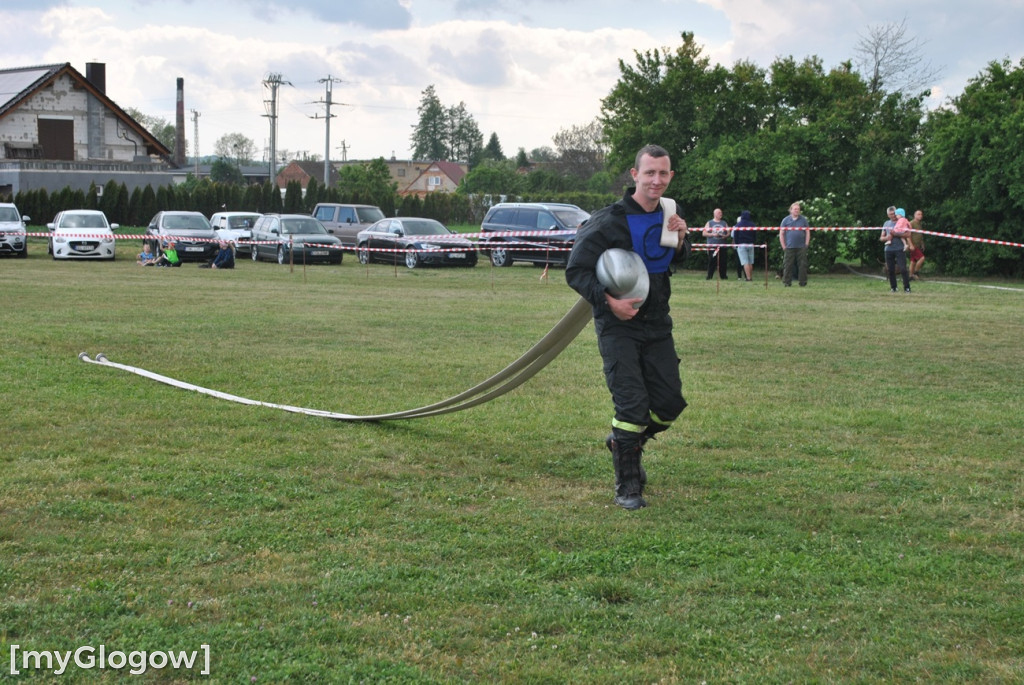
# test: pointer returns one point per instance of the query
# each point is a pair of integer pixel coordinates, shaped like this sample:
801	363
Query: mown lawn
841	502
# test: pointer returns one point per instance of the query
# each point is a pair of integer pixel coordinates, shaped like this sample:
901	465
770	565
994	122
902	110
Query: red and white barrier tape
483	238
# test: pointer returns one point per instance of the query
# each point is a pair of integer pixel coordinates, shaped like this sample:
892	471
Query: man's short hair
891	209
654	151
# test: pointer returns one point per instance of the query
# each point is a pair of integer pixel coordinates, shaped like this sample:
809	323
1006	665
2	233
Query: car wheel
501	257
364	255
412	259
23	253
471	262
280	256
341	256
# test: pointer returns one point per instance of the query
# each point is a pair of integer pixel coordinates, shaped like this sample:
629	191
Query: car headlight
60	240
428	246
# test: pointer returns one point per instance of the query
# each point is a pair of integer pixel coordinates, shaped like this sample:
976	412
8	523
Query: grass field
841	501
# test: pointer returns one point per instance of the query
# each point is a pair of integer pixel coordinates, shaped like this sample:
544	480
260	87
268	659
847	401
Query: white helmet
624	275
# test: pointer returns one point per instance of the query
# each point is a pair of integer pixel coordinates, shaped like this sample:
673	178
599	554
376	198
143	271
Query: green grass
840	502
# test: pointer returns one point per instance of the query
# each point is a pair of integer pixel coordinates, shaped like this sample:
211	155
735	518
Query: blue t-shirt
795	238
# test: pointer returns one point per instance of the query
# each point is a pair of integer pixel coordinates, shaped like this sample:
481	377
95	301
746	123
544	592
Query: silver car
12	229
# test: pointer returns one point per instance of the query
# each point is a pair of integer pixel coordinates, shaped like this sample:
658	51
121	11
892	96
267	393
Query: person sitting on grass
225	258
146	257
169	256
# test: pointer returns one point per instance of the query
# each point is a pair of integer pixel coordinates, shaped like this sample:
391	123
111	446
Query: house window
433	181
401	173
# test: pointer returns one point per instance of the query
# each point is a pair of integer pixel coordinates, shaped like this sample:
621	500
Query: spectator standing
716	231
897	242
891	221
744	241
641	362
916	245
795	243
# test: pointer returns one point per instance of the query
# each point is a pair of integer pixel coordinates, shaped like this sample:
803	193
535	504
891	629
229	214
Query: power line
328	84
274	82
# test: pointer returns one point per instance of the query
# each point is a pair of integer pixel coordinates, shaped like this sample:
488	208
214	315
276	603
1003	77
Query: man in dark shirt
640	360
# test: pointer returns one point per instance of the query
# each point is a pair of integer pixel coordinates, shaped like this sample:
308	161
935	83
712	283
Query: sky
525	69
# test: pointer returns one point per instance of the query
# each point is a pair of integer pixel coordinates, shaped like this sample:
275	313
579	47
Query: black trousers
894	260
641	368
718	259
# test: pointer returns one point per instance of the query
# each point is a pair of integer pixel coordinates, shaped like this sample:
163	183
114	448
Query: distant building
410	179
59	129
304	171
438	177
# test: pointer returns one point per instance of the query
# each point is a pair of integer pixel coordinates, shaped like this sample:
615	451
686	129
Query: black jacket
605	229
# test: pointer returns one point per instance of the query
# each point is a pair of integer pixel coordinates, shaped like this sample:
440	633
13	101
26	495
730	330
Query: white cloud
525	69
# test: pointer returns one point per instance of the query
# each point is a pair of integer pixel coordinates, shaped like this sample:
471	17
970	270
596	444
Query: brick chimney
179	126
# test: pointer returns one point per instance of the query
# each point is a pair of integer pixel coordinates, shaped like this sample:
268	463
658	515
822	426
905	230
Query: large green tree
759	139
972	173
430	134
368	183
493	178
226	172
446	133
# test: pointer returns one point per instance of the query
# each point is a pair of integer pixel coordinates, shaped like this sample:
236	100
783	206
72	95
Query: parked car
297	238
557	222
236	228
416	242
81	234
192	233
12	228
345	221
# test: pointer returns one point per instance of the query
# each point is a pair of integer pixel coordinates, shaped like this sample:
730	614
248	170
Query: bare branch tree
581	149
893	60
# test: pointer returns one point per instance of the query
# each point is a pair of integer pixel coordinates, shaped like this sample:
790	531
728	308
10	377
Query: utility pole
195	137
344	151
329	82
274	82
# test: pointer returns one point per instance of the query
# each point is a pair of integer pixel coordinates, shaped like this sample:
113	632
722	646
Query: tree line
760	139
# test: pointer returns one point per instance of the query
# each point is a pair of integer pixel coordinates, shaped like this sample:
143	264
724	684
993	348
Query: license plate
195	249
458	255
319	253
83	248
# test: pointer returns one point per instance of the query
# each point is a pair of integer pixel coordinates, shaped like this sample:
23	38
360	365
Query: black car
541	233
295	238
191	232
415	241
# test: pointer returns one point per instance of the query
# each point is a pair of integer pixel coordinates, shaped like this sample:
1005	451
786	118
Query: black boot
609	442
626	460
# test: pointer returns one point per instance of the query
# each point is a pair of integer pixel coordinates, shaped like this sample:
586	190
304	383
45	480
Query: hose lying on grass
509	378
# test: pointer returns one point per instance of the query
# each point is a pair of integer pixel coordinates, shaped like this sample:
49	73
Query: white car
81	234
12	230
235	227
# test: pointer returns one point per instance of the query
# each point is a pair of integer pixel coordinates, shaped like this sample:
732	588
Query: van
344	221
536	232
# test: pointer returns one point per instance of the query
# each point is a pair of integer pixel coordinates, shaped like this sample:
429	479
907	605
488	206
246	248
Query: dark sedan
296	238
416	241
191	232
